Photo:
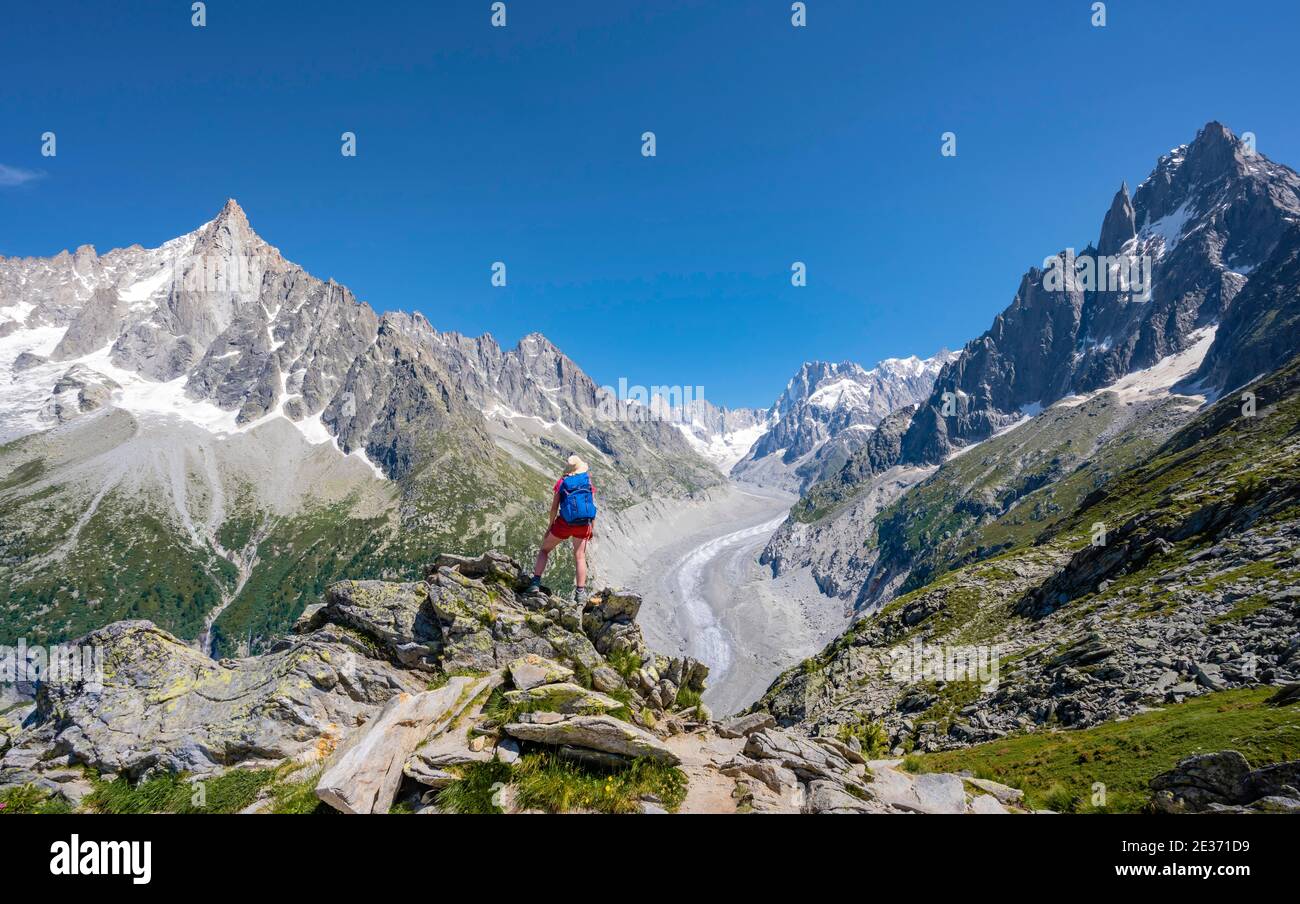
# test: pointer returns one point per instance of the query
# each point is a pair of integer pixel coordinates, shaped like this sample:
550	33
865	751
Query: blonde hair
575	465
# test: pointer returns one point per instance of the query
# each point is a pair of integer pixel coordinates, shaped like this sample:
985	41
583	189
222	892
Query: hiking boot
580	596
535	585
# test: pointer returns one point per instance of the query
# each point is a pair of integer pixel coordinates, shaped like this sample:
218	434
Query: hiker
573	515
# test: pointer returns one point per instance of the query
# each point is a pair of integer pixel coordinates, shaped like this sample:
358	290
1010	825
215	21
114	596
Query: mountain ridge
1208	207
185	401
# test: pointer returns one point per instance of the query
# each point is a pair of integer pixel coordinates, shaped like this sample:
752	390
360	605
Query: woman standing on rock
573	517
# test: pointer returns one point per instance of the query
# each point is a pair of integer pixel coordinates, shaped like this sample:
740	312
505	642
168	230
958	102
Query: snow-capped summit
216	328
827	410
1209	214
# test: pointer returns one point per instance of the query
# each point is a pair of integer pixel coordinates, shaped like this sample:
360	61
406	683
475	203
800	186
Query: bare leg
580	559
549	542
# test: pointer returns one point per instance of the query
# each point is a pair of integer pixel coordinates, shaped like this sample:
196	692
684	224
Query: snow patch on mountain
1159	379
723	449
1169	229
827	410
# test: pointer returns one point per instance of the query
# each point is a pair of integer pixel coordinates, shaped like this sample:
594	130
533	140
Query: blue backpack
576	503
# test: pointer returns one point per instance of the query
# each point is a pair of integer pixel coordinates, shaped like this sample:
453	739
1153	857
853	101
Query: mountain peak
1214	133
1214	152
231	211
231	233
1120	223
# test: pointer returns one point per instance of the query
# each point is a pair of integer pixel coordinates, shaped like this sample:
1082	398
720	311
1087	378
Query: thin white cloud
14	175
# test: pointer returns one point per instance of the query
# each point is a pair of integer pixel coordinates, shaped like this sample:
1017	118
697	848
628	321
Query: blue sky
522	144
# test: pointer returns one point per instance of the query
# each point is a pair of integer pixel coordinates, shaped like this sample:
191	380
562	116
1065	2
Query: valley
204	479
709	598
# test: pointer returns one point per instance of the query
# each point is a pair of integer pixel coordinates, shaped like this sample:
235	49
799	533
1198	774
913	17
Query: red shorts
566	531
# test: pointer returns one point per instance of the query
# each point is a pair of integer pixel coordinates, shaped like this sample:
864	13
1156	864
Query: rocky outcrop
399	617
604	734
362	659
1224	782
372	696
164	706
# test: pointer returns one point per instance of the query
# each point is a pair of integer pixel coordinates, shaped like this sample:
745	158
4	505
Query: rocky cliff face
1210	213
1258	334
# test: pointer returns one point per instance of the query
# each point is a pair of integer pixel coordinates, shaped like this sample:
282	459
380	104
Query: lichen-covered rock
565	698
398	616
492	566
1224	782
529	671
601	733
164	706
1199	781
485	626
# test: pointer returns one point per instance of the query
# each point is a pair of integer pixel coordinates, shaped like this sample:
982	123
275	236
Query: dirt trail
702	754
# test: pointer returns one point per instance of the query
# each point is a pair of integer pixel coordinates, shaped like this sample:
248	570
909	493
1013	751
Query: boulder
606	680
1278	779
1277	804
364	774
927	793
939	792
829	797
1287	695
507	750
529	671
745	725
1198	781
567	698
601	733
770	773
806	759
397	616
